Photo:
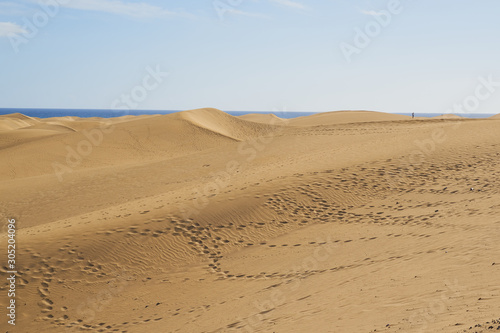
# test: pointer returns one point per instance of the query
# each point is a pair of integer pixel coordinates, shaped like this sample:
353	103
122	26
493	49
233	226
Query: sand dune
261	118
203	222
15	121
448	116
50	126
128	140
222	123
345	117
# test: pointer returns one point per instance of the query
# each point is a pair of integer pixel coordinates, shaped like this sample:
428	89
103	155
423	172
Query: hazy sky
258	55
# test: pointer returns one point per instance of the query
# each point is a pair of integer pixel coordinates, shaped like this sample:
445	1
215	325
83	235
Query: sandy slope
261	118
204	222
15	121
448	116
345	117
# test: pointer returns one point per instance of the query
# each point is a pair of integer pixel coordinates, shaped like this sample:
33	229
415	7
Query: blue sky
250	55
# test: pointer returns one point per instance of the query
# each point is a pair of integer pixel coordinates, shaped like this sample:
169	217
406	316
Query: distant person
412	115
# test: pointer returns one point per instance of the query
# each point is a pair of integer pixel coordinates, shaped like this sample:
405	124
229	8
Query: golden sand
199	221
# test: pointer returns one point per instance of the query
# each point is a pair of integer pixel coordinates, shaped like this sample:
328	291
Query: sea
106	113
